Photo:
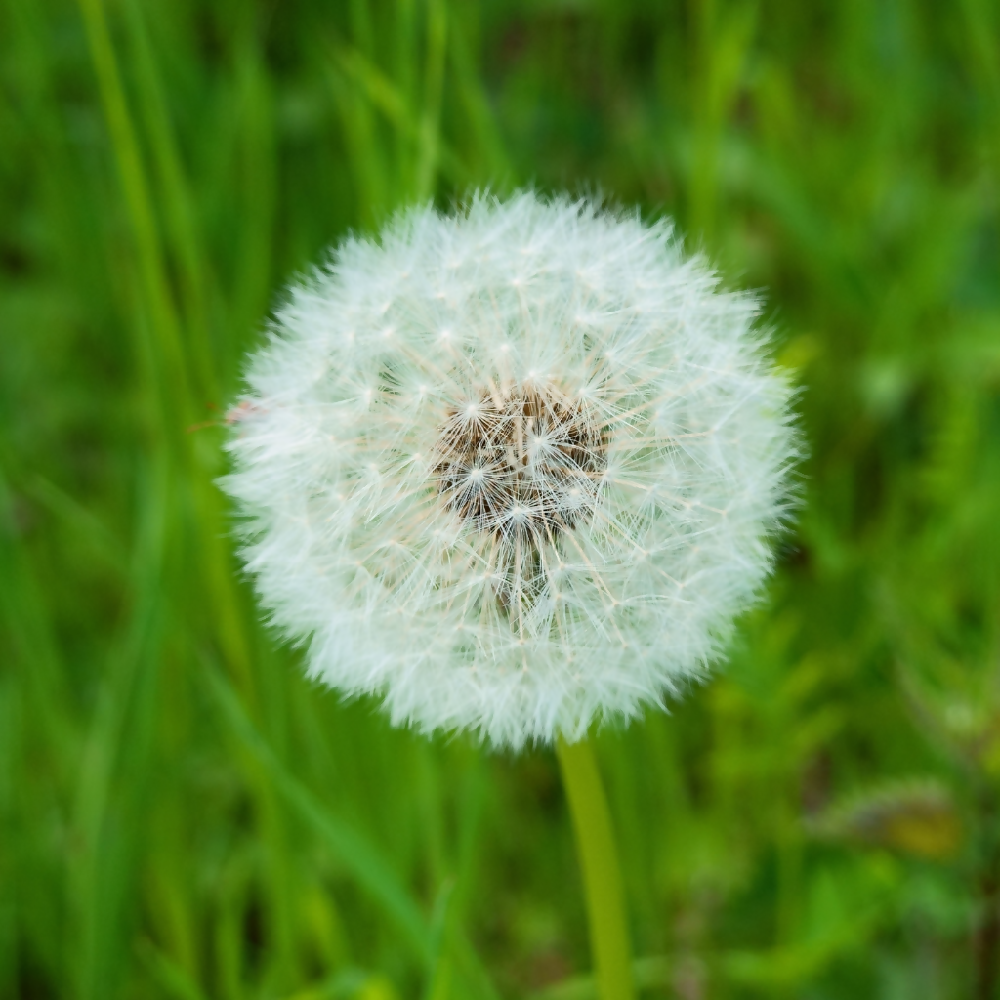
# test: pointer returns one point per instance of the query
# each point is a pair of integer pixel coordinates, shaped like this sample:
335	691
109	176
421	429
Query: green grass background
182	815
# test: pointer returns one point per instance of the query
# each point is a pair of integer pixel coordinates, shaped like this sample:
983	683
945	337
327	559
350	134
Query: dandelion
514	469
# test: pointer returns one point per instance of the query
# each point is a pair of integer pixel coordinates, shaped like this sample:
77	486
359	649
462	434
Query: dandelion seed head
514	469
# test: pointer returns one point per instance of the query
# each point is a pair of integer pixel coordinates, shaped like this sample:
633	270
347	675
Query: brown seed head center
522	464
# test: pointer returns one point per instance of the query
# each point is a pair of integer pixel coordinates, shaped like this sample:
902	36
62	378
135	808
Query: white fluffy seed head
514	469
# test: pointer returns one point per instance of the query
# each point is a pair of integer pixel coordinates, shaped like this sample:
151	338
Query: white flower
514	469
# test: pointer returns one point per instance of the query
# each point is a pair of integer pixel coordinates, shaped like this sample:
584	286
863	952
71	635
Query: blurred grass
183	816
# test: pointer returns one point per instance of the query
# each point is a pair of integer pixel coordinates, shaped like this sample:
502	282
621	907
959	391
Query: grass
184	816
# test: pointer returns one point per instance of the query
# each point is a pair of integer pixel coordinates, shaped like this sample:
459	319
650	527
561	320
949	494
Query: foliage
183	816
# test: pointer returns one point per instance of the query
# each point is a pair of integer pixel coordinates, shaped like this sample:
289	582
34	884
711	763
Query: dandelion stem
601	875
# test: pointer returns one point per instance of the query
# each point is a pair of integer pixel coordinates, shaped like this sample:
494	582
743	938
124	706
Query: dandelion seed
587	488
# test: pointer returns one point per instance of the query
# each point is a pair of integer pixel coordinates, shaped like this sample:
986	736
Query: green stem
601	876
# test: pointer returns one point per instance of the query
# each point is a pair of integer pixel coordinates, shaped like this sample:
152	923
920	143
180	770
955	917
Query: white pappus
515	469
